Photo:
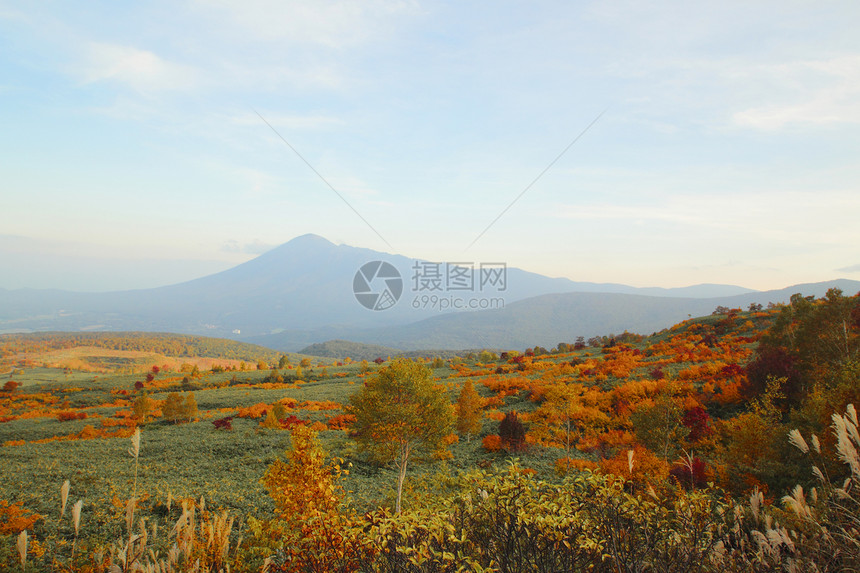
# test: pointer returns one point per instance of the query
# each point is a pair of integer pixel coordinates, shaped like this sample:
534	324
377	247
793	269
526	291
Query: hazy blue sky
131	154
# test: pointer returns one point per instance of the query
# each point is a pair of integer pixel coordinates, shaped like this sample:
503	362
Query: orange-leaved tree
399	412
469	406
557	420
312	529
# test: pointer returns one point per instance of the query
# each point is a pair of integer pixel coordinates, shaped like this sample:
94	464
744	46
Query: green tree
283	362
659	427
469	406
400	412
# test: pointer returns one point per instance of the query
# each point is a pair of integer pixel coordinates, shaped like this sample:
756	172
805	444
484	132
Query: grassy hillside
682	392
345	348
361	351
131	351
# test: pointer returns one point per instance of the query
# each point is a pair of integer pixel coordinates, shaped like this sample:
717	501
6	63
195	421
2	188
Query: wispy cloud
141	70
334	24
814	92
825	218
850	269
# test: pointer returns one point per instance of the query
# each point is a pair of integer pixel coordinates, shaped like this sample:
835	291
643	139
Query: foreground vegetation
674	452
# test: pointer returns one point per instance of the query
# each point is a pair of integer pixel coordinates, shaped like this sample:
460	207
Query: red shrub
292	421
690	473
512	432
696	419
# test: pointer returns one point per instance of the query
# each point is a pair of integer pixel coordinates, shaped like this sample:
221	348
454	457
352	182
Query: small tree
659	427
469	405
279	411
189	409
142	407
173	407
557	420
271	422
512	432
310	527
399	412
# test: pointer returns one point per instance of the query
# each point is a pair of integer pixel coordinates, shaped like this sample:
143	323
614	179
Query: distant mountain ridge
301	293
552	318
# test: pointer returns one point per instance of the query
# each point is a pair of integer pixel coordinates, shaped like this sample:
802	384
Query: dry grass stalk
76	515
76	519
845	430
796	440
64	497
22	548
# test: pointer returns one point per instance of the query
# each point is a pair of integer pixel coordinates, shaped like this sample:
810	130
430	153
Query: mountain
549	319
304	292
303	285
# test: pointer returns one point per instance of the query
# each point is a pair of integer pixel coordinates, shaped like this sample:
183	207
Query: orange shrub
340	422
648	469
68	415
495	415
255	411
492	443
14	519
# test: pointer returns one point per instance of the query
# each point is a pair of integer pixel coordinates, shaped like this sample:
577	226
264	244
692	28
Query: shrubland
727	442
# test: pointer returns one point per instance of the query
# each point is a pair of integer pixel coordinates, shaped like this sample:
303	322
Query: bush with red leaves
690	473
773	361
732	370
512	432
223	423
696	419
292	421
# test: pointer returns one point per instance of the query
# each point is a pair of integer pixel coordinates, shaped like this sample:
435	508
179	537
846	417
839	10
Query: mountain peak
309	239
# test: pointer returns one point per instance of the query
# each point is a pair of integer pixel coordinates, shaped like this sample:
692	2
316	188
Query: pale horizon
134	155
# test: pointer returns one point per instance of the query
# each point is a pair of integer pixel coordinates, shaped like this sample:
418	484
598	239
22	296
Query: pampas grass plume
64	497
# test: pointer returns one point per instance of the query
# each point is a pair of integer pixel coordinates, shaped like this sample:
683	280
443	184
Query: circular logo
377	285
